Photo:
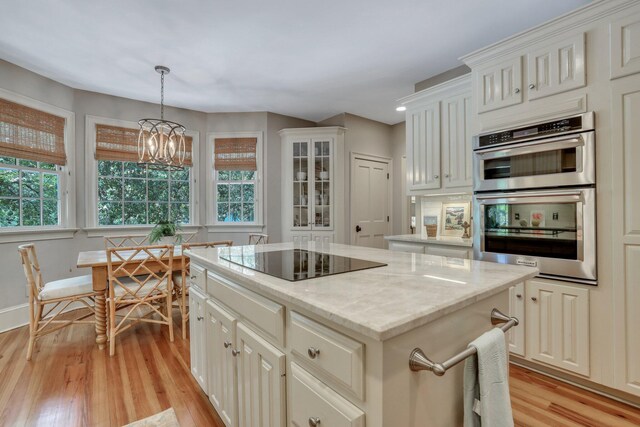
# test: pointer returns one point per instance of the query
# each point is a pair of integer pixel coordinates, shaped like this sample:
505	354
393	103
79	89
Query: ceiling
308	59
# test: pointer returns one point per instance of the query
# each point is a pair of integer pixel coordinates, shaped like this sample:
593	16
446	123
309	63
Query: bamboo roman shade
233	154
31	134
118	143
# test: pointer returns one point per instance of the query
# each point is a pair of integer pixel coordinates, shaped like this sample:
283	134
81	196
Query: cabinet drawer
332	353
266	315
416	248
313	401
448	251
198	276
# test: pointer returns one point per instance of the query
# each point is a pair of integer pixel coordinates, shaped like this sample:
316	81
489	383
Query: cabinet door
558	325
498	86
625	135
300	239
312	402
261	387
456	141
301	181
625	46
221	364
556	68
197	337
423	147
321	197
515	337
322	238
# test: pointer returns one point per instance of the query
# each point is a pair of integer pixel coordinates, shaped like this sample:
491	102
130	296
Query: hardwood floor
70	382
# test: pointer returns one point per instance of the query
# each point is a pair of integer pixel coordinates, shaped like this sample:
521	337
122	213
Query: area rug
162	419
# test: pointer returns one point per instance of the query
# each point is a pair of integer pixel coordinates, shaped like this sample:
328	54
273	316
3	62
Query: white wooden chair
181	280
140	286
258	239
48	300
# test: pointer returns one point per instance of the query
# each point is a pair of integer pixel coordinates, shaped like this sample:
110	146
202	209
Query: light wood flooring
70	382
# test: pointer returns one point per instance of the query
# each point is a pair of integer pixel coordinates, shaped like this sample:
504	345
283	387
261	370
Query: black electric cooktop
297	264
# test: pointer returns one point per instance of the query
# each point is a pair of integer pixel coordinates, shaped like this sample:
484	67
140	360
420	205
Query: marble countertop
411	291
441	240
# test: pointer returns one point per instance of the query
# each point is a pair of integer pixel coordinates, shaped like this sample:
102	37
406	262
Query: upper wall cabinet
439	138
625	46
550	68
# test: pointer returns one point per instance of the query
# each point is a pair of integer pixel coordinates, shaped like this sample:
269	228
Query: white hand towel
486	383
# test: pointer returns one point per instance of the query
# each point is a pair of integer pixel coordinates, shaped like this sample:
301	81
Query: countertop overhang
410	291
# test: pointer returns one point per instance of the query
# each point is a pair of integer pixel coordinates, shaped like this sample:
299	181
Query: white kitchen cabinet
556	68
515	336
220	332
197	336
423	146
558	324
261	381
312	182
438	138
498	85
624	36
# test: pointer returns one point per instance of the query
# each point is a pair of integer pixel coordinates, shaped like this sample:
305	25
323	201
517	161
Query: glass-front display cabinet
310	168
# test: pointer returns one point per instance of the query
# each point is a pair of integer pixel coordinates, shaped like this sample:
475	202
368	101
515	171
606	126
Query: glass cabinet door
301	178
321	197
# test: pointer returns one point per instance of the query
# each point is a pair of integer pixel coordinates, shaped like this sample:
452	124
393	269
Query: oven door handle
530	147
571	195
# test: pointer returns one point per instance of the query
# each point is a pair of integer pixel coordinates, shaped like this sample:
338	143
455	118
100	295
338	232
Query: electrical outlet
555	216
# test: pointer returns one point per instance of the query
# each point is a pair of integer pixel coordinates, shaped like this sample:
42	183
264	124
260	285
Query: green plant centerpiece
165	232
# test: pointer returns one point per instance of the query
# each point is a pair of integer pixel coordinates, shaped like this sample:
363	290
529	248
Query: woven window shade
234	154
118	143
31	134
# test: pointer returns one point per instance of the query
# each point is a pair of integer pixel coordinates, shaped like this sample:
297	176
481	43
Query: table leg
100	284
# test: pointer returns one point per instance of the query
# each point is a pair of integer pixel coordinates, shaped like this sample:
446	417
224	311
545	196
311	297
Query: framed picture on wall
454	215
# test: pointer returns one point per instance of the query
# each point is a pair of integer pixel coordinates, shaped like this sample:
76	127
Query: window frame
66	227
91	178
212	180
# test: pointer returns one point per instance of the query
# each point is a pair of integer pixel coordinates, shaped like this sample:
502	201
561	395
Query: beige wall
399	149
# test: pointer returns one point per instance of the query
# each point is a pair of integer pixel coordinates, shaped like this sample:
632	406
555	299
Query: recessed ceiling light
401	108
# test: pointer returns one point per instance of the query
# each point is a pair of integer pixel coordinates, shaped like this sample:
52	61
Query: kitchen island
334	350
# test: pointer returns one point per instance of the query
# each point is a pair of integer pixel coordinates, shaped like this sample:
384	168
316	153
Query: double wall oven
535	200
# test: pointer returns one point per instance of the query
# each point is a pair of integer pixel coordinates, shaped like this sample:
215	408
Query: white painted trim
131	230
67	175
213	224
231	228
91	172
309	132
18	315
458	85
380	159
22	235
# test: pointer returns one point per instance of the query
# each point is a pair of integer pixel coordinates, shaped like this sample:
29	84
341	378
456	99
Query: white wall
399	149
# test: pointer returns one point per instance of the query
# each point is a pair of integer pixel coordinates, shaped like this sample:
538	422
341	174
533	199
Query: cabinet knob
313	352
446	175
199	318
534	299
517	90
436	176
193	277
227	344
314	421
235	352
532	86
518	296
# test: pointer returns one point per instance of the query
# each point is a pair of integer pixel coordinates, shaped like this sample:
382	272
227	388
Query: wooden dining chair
48	300
140	286
258	239
181	282
125	241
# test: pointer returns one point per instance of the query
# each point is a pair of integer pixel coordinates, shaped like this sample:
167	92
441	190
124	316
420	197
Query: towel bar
418	361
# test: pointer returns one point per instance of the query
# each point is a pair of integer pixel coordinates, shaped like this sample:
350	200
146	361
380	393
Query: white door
261	387
196	333
369	203
221	364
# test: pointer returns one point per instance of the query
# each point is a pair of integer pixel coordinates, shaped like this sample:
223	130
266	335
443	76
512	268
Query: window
235	180
124	193
36	193
132	194
29	193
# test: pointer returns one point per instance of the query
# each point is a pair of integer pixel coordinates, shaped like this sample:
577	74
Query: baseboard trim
18	315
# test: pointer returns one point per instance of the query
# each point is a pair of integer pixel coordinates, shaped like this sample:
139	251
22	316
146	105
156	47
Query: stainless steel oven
550	154
535	197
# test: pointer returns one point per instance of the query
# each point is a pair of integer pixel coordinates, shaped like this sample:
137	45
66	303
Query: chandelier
161	143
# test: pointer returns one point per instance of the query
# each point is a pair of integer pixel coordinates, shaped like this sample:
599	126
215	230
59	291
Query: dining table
97	261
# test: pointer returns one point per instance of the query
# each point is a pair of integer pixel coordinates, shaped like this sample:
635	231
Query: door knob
227	344
313	352
532	86
314	421
358	229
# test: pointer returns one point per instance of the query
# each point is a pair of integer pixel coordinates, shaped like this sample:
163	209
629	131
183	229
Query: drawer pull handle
313	353
314	421
518	295
234	352
534	299
227	344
